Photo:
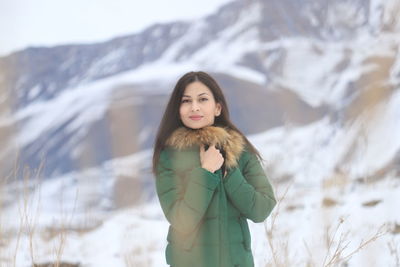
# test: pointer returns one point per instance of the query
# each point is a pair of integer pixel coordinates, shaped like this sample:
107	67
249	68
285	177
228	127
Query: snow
328	84
381	126
390	14
83	105
138	235
349	14
375	15
34	92
307	224
312	152
107	64
309	152
246	74
301	59
127	236
395	72
159	72
235	41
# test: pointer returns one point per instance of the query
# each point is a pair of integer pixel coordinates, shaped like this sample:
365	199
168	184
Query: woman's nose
195	106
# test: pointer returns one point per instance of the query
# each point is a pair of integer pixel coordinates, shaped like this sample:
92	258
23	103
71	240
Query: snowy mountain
77	106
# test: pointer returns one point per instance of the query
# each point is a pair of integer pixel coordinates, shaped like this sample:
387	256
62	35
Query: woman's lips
195	118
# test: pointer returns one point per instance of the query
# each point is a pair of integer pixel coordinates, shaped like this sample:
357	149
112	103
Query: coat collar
230	140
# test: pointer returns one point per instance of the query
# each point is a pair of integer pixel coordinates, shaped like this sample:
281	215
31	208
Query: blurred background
83	85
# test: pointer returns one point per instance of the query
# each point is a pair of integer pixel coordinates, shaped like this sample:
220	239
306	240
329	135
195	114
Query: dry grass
336	245
65	221
270	235
337	251
29	206
138	256
394	249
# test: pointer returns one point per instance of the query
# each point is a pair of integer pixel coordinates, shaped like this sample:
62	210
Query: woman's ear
218	109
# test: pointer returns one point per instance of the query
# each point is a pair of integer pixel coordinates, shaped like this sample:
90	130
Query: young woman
209	179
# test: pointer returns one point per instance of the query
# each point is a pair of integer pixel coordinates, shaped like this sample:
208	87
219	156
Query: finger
213	145
202	149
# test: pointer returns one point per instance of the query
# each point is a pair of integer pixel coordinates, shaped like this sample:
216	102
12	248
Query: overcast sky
50	22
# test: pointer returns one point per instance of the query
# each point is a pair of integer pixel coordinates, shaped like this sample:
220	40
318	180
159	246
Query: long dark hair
171	119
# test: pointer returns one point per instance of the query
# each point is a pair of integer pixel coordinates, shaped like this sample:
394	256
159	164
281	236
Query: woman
208	177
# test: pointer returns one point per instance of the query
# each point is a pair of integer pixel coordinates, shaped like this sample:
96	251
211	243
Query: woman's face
198	107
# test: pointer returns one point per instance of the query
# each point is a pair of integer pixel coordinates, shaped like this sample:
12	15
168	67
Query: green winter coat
208	212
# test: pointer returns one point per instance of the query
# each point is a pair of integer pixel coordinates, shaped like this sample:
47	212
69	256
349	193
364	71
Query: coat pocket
246	233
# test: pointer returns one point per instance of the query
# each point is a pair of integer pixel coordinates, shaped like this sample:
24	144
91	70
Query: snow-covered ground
137	236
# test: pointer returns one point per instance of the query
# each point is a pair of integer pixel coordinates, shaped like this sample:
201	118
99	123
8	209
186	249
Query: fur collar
230	140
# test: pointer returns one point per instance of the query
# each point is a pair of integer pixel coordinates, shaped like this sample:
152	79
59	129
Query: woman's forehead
196	89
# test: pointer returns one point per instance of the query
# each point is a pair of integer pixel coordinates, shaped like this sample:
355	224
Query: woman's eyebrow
198	95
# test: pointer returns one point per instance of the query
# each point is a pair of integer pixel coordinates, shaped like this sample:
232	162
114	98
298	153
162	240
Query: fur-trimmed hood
230	140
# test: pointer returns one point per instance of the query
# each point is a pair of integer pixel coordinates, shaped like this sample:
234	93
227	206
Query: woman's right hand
211	159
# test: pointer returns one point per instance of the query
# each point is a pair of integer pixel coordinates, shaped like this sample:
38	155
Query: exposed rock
53	264
329	202
371	203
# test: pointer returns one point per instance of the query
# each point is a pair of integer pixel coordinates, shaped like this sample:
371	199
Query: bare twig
341	246
270	232
59	249
394	251
311	261
330	240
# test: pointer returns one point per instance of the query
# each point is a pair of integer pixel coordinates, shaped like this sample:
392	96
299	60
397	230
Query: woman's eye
203	99
185	101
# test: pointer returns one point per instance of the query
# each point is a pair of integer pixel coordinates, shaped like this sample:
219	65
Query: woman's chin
196	126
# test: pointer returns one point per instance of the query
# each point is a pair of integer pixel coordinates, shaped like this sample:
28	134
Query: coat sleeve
184	205
249	190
